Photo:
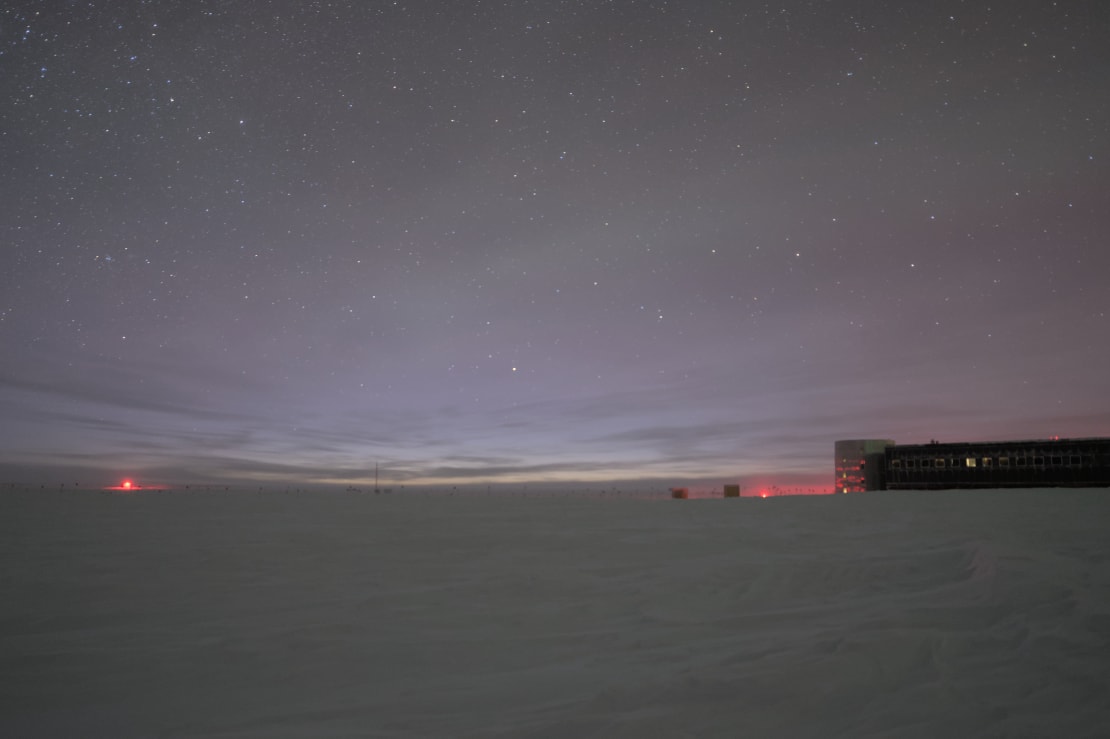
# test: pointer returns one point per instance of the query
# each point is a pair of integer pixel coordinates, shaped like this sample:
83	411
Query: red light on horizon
126	484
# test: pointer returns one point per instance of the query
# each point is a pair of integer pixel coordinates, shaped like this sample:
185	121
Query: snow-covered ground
192	614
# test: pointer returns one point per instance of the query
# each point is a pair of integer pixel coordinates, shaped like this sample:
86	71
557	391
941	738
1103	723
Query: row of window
1055	460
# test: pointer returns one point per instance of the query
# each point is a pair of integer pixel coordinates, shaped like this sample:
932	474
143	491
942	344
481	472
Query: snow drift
970	613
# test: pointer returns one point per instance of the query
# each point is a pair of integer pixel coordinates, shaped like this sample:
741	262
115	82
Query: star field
545	241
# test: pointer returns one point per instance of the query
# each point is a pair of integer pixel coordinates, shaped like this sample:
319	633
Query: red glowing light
126	484
763	495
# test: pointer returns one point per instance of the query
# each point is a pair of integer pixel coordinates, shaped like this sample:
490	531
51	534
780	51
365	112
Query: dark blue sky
529	241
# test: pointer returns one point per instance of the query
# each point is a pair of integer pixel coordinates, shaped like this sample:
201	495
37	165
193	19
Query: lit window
970	461
986	461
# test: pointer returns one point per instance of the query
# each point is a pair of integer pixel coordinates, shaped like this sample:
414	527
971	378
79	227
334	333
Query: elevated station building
880	464
860	464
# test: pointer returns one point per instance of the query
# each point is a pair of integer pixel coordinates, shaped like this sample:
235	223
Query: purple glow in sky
545	241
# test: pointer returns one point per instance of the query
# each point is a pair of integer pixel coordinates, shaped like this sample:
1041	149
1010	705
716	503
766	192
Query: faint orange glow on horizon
125	486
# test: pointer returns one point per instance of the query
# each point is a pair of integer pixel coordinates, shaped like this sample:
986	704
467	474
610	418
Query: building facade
994	464
860	464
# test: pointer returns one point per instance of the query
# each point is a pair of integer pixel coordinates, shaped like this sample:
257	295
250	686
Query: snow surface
191	614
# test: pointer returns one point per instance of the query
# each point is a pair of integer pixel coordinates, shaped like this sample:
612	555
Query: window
970	461
1038	461
896	464
987	461
1076	460
940	463
1003	461
1056	461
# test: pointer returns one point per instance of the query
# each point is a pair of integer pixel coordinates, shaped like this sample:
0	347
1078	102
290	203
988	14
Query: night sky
575	242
